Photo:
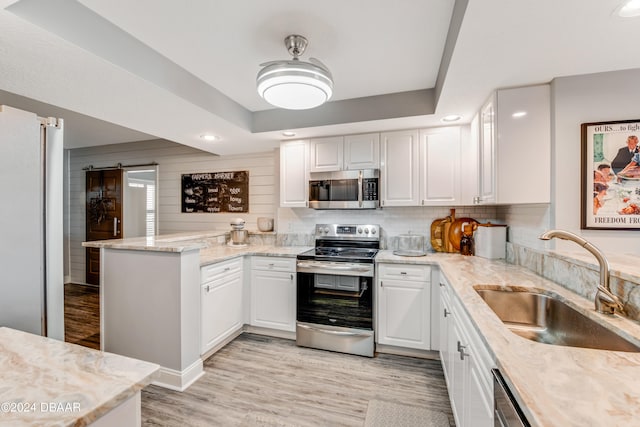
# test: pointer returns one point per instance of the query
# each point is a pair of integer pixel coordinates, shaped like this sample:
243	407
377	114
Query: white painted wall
174	160
582	99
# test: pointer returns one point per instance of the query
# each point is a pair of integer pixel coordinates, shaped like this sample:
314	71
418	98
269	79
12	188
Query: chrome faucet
606	302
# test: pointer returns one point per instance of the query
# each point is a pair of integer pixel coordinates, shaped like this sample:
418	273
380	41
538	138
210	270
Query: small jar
466	241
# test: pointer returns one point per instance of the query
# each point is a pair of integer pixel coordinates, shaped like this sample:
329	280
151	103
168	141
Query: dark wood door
103	215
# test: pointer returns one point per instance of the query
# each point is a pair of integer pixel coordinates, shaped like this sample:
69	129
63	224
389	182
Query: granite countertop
49	382
178	242
220	253
554	385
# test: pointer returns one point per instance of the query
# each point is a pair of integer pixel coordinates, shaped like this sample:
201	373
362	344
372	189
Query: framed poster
610	194
215	192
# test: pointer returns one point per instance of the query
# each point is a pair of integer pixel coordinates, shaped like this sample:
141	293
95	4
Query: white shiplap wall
173	161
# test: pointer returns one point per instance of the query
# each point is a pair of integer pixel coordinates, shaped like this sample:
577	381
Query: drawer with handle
213	271
273	263
421	273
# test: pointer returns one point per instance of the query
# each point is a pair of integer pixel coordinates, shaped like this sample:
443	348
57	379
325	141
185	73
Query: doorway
103	215
140	201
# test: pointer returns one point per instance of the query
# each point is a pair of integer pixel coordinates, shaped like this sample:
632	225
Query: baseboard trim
410	352
258	330
179	380
235	334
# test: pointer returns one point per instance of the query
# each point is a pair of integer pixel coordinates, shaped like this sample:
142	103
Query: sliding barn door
103	215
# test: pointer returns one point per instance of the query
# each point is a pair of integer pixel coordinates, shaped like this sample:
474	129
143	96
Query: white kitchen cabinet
351	152
273	293
515	147
440	162
362	151
294	174
404	306
399	168
466	364
220	302
326	154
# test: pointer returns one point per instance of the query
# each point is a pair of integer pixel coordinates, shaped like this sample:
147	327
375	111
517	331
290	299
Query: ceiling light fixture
288	133
519	114
294	84
451	118
629	9
209	137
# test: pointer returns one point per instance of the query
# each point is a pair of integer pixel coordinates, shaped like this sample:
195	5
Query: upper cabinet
423	168
294	174
400	163
350	152
514	131
440	182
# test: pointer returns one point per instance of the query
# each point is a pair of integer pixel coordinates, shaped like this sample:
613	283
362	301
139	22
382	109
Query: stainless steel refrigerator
31	223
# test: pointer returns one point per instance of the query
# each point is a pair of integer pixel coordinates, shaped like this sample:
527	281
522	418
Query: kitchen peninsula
49	382
150	297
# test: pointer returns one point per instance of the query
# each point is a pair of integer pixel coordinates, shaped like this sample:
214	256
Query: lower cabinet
404	305
466	363
221	302
273	293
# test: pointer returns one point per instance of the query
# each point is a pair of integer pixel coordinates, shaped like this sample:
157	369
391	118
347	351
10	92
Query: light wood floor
82	315
263	381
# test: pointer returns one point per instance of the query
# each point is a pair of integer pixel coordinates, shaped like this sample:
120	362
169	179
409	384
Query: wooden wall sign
215	192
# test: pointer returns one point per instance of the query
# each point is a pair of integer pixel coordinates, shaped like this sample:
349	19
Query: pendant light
295	84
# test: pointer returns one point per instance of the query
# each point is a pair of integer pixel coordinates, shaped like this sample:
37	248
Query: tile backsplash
577	275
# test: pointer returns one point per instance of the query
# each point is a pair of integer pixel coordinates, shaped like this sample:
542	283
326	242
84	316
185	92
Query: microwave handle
360	188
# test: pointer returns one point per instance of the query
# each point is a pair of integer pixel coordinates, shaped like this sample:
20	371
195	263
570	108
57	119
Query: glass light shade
294	85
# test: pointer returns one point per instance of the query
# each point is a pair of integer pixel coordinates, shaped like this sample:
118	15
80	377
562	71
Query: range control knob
326	229
359	230
373	231
366	231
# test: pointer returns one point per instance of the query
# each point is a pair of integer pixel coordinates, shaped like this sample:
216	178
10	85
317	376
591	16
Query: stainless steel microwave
355	189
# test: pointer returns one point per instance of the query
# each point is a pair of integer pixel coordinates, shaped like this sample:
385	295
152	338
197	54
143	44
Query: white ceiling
176	70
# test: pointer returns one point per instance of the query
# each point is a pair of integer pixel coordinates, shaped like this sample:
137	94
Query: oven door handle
333	267
330	332
360	188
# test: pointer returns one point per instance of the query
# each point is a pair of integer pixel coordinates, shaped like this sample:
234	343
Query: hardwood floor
264	381
82	315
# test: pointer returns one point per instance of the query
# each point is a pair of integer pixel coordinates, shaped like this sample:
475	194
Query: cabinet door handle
447	313
404	273
461	351
441	285
227	268
208	289
381	285
291	276
115	226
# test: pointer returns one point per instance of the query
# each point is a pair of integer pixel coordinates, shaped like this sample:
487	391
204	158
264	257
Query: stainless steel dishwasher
507	413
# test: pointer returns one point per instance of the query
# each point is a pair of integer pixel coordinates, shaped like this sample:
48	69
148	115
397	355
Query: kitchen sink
545	319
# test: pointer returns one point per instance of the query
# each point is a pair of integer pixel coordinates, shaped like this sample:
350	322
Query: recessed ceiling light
209	137
629	9
519	114
451	118
288	133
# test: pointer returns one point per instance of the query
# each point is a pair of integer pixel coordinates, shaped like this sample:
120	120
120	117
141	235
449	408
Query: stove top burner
340	254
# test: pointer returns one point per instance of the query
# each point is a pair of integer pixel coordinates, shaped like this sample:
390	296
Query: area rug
389	414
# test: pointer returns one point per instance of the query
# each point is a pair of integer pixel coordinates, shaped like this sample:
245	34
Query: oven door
335	312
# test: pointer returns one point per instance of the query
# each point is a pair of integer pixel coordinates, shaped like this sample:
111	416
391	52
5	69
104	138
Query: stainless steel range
335	289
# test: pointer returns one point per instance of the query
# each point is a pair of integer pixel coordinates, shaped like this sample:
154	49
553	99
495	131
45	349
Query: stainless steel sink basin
548	320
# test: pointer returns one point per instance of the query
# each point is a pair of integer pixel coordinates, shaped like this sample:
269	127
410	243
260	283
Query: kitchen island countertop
53	383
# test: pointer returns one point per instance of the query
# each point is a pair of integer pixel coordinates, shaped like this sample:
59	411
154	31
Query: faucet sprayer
605	301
